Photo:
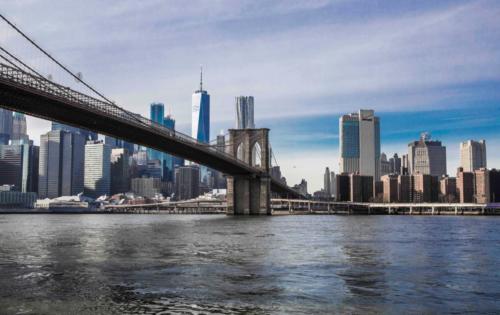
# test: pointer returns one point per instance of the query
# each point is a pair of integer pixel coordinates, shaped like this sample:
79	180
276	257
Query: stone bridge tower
249	194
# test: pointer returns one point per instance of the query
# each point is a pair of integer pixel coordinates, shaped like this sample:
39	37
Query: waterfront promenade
298	207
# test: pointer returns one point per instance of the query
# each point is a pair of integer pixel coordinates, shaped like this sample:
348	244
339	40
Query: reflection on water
102	264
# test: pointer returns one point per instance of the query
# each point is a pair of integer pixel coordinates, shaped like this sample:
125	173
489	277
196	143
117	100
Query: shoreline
275	213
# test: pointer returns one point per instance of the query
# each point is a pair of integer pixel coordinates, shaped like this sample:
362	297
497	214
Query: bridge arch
240	154
256	155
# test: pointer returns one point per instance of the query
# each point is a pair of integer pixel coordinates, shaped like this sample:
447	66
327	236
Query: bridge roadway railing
40	85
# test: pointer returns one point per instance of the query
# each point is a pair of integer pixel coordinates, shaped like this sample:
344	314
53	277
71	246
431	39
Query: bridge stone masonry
250	194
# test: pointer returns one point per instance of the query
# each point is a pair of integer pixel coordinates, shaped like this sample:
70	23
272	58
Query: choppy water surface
167	264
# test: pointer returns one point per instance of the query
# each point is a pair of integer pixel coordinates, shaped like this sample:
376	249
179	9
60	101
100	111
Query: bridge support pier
250	194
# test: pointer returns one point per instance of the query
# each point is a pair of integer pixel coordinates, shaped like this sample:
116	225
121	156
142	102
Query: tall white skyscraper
360	143
329	182
472	155
333	183
97	178
200	124
244	112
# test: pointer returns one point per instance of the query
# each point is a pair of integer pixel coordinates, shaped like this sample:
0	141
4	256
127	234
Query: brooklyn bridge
249	184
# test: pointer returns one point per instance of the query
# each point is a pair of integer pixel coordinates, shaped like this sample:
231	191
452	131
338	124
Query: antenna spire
201	78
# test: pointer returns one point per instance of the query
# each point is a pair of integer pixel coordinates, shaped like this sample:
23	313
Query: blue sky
422	65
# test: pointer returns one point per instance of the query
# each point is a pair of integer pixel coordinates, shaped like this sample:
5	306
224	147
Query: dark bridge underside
18	98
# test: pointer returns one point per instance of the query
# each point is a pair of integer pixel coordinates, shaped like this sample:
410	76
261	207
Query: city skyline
464	98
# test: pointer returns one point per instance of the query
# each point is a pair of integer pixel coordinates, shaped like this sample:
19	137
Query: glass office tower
87	134
244	112
201	114
157	114
200	127
168	159
360	143
5	125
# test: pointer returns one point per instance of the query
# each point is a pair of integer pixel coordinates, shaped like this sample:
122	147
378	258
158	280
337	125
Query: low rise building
17	199
148	187
465	186
482	185
494	185
362	188
343	188
448	189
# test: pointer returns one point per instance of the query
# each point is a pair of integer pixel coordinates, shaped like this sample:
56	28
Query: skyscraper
200	128
87	134
405	165
200	125
472	155
187	182
19	127
244	112
97	178
333	184
385	165
115	143
327	182
60	171
120	171
219	179
360	143
427	156
395	164
301	187
5	125
19	166
168	159
157	114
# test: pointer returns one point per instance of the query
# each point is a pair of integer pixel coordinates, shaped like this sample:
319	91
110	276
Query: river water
168	264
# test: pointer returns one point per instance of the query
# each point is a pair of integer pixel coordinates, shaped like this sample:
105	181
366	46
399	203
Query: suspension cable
53	59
